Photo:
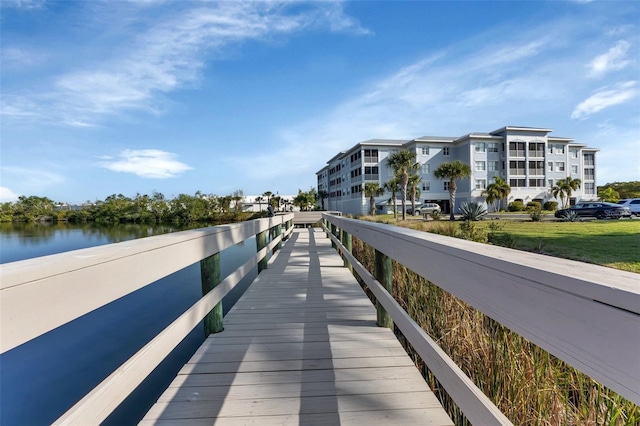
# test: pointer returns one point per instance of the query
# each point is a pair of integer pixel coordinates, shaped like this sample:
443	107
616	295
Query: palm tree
372	190
496	192
268	194
454	170
392	185
414	190
323	196
259	199
403	163
564	188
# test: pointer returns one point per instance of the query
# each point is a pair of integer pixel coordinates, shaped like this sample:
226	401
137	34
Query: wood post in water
210	277
384	276
261	242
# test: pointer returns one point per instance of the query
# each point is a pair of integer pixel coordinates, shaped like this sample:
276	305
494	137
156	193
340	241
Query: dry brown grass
530	386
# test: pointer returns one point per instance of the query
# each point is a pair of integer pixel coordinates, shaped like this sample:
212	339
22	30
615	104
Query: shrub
472	211
570	216
436	215
534	205
536	214
516	206
551	205
470	231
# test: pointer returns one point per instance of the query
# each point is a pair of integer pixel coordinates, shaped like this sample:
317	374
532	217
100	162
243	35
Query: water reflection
55	370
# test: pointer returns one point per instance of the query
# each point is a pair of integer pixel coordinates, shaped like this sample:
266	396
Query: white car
633	204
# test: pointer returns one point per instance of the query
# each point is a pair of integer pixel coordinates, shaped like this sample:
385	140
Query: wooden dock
300	347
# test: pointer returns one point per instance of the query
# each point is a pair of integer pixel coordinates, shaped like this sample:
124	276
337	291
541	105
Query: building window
481	183
446	186
536	167
589	174
536	183
573	153
590	188
589	160
425	150
480	147
550	166
492	147
445	150
371	173
517	168
550	183
574	169
550	148
516	149
493	165
370	155
536	149
426	168
426	185
559	149
481	166
517	183
559	166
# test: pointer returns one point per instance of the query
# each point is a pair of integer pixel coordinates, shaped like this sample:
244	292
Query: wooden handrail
104	398
586	315
65	286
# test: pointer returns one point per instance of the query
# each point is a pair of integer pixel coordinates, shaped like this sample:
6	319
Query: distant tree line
615	191
143	208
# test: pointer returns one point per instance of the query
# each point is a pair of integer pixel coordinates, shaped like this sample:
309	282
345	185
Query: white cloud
606	97
28	181
615	59
147	163
24	4
169	56
7	194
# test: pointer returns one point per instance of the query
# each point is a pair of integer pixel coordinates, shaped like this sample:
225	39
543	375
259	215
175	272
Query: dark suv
599	210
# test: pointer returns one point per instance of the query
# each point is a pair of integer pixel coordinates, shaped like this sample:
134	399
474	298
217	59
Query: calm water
41	379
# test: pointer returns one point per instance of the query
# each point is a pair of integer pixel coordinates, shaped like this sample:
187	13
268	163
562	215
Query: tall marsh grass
530	386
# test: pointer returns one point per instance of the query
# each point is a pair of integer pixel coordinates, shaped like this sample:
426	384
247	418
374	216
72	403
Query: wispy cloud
24	4
606	97
168	56
7	194
28	180
147	163
613	60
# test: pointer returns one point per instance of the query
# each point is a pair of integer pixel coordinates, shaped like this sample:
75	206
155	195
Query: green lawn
612	243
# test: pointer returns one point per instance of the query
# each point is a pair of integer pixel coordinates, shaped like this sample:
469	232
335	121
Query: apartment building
529	159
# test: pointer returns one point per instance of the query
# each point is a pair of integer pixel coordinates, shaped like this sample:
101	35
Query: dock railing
38	295
584	314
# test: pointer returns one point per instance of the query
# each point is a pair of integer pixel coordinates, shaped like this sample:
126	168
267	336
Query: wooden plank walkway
300	347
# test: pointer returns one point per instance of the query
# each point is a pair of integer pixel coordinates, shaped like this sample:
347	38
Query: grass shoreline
529	385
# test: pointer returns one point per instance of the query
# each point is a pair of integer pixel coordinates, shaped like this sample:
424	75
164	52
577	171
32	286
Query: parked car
426	208
633	204
599	210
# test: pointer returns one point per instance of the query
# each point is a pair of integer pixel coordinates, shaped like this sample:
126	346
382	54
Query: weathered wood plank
306	351
292	390
287	406
382	417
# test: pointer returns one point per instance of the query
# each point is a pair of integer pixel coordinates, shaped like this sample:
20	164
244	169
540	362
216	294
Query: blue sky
103	97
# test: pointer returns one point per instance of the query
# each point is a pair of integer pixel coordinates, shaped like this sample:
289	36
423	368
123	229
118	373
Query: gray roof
531	129
436	139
